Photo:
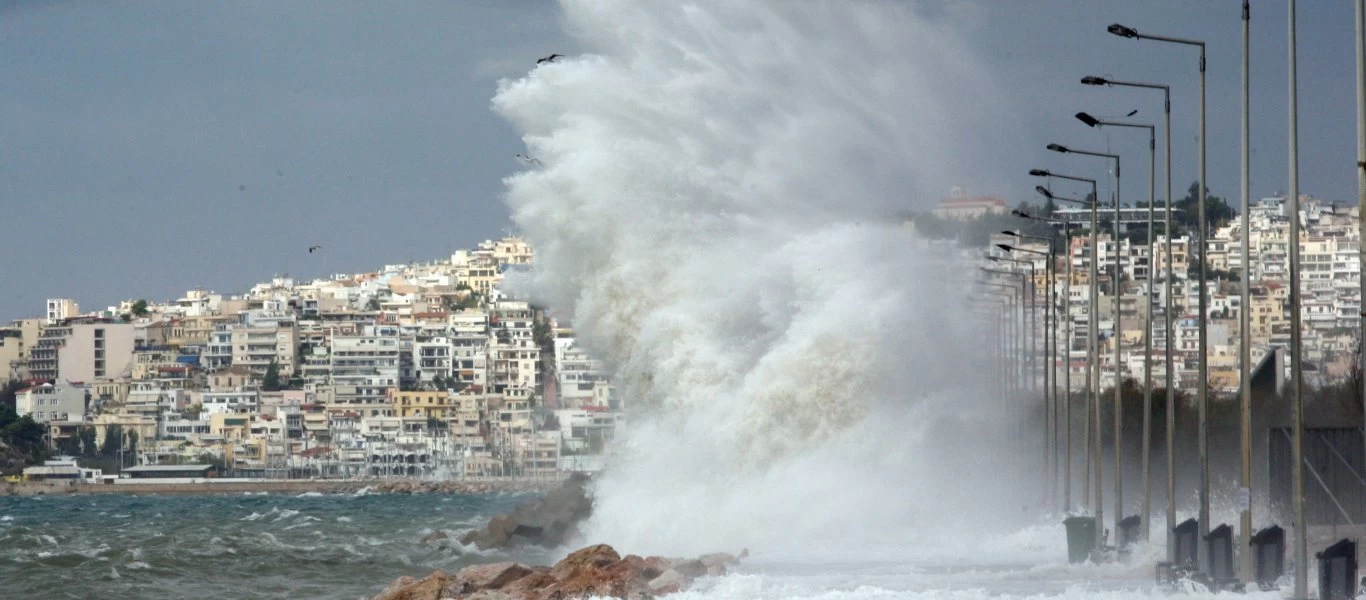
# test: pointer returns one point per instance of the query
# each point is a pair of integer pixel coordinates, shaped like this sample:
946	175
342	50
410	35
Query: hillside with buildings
424	369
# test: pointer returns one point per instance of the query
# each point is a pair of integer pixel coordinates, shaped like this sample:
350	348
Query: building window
99	334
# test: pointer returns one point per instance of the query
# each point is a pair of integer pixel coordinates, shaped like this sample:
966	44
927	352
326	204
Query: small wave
47	539
254	516
137	565
285	514
6	518
343	519
309	495
365	491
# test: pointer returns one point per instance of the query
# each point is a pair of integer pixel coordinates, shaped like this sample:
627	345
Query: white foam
720	228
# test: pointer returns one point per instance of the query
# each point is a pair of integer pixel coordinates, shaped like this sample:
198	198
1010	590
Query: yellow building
429	404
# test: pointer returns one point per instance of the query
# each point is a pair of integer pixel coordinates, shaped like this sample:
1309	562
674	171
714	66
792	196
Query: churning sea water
347	547
243	546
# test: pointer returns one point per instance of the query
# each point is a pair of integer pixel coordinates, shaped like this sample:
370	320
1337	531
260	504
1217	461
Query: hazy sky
150	147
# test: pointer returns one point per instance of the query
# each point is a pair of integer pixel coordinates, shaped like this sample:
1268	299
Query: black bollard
1081	538
1338	571
1187	544
1128	531
1268	556
1219	548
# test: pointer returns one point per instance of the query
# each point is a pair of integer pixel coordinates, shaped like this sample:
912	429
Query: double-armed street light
1091	121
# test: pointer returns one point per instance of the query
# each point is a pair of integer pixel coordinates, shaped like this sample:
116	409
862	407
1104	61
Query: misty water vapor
716	213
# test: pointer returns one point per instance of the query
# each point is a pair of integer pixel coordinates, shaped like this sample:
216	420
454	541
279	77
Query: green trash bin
1081	538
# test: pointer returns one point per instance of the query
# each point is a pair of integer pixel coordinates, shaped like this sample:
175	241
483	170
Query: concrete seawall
293	486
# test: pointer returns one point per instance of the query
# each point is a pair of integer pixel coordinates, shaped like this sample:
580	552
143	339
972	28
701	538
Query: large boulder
430	587
593	571
549	521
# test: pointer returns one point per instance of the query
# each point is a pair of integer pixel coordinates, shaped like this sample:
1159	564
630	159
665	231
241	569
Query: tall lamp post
1066	351
1202	383
1093	373
1119	337
1168	308
1050	344
1091	121
1026	306
1033	330
1296	376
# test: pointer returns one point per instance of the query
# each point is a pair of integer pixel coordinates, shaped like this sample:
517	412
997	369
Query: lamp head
1122	31
1038	173
1006	247
1089	120
1057	148
1043	191
1011	233
1093	80
1019	213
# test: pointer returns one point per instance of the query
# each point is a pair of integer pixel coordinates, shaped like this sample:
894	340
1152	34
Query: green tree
113	440
1217	212
8	393
88	447
69	446
271	382
140	308
133	445
373	304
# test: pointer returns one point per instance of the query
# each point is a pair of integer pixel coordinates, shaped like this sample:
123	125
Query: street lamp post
1202	382
1119	338
1091	121
1245	327
1049	349
1296	376
1093	374
1026	306
1168	309
1033	329
1066	352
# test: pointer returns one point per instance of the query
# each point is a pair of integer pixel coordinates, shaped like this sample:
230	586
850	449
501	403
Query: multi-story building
83	351
438	404
257	348
364	367
60	309
45	402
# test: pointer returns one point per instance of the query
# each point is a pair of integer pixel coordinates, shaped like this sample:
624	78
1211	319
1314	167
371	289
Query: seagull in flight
312	249
529	160
548	59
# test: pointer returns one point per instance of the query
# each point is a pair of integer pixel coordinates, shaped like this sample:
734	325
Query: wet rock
667	583
488	577
549	521
593	571
430	587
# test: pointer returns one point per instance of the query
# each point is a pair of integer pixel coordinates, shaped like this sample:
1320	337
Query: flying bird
312	249
529	160
548	59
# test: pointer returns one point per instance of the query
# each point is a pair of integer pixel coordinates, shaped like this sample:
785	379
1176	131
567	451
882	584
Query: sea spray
715	214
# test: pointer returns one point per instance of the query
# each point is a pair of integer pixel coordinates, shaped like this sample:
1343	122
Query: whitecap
309	495
137	565
343	519
254	516
6	518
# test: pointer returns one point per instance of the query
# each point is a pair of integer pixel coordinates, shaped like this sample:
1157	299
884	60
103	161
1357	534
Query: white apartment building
48	402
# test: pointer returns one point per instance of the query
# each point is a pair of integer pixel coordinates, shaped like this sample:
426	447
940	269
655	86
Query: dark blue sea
221	547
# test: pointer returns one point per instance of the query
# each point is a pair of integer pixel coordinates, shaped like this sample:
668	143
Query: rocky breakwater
550	521
459	486
593	571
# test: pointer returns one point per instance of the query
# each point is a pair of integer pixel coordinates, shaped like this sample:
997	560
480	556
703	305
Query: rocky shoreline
595	571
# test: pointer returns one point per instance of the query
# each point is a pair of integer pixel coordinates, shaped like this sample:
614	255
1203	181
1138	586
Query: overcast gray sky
149	147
